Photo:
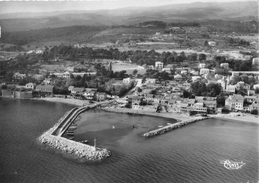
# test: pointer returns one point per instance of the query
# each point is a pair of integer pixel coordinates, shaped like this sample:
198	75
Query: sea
193	153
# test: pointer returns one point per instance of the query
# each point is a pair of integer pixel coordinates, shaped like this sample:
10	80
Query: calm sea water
190	154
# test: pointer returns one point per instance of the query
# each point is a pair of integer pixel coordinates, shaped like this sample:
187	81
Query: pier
53	138
172	127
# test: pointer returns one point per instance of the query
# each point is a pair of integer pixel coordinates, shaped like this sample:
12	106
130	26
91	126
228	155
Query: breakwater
172	127
53	138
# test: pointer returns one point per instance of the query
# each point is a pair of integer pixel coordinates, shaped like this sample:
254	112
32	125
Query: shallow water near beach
189	154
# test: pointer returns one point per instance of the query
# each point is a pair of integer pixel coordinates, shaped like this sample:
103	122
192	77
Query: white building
204	71
224	65
127	80
66	75
212	43
159	65
255	61
256	86
29	86
202	65
231	88
150	80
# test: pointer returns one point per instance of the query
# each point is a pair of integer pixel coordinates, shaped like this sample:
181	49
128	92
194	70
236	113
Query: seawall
172	127
76	150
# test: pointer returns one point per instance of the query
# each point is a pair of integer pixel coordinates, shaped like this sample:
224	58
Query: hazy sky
62	5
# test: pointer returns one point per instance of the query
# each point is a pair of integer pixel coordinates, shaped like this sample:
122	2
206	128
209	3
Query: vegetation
74	32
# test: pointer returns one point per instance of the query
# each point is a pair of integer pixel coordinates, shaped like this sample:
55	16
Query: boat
113	127
84	141
160	126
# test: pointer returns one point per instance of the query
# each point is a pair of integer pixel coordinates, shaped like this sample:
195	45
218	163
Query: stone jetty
172	127
53	138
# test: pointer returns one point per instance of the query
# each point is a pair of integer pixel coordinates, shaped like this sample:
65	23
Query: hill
198	11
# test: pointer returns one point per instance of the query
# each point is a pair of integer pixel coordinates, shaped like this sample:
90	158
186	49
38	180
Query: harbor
78	150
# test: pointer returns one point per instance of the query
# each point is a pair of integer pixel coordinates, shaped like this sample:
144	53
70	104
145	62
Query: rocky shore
171	127
76	150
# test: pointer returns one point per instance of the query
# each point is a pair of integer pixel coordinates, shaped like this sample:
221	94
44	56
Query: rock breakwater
172	127
72	148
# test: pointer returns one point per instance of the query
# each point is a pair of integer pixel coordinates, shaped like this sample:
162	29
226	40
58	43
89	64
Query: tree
202	57
225	110
186	94
255	112
198	89
135	72
213	89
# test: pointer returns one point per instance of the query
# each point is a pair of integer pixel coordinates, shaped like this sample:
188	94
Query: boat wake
232	165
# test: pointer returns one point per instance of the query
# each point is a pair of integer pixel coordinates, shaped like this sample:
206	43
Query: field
127	67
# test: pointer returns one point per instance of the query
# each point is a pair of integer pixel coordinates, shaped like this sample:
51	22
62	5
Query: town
191	83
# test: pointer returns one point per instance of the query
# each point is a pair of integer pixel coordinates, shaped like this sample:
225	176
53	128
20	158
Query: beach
246	118
76	102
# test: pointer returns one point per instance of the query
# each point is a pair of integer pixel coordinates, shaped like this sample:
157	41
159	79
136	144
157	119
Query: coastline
246	118
175	116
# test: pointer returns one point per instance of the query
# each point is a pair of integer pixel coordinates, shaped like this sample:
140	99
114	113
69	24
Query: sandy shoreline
76	102
175	116
246	118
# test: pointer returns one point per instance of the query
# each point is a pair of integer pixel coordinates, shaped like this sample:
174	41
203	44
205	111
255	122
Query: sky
64	5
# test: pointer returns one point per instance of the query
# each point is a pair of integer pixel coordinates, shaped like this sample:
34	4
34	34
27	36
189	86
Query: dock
171	127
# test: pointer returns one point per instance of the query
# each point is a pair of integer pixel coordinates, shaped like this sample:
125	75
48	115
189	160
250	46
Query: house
81	74
202	65
100	96
29	86
19	76
134	99
70	88
168	70
159	65
243	85
255	105
255	61
38	77
256	86
224	65
150	67
193	72
250	99
204	71
89	93
44	89
235	102
58	74
231	88
77	91
184	71
198	107
196	78
67	75
127	80
150	80
70	69
47	81
178	77
212	43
